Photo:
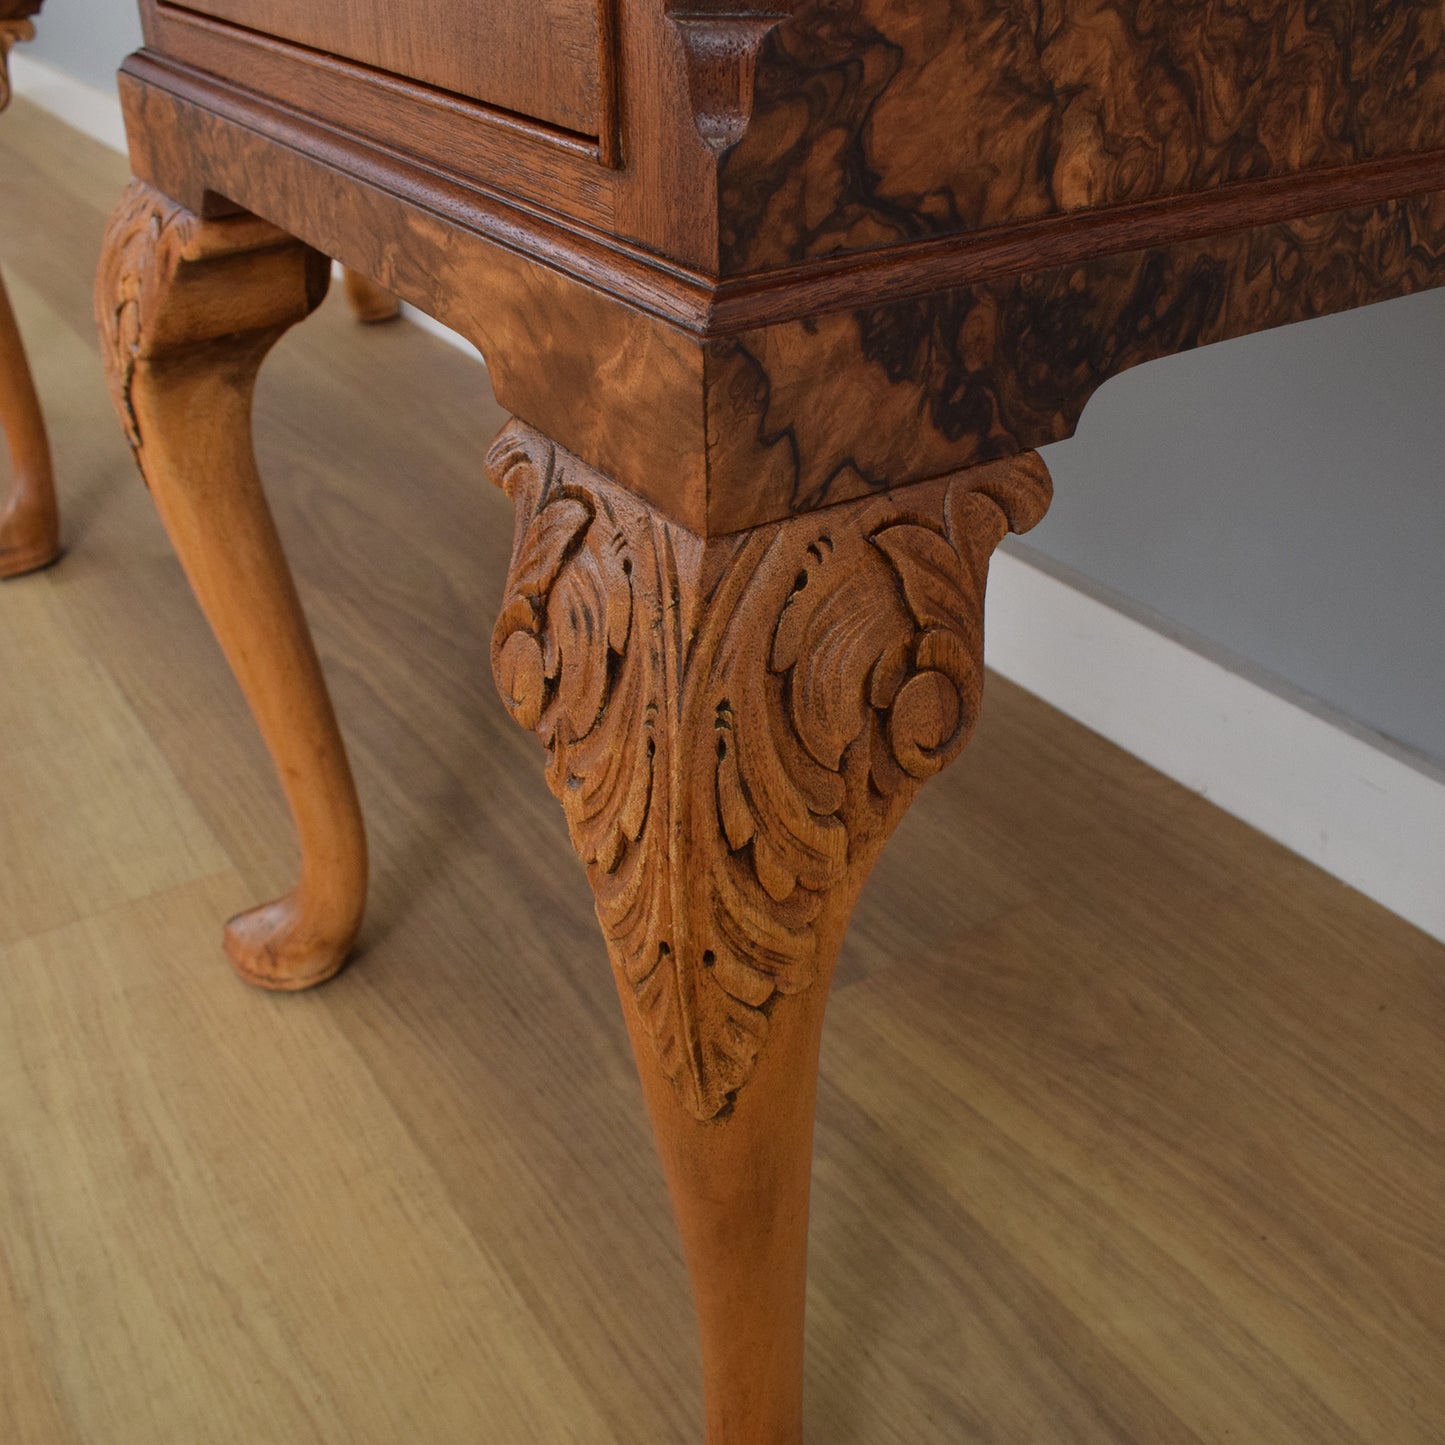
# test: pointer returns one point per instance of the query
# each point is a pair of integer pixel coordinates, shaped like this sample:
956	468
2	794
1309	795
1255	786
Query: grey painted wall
87	38
1282	497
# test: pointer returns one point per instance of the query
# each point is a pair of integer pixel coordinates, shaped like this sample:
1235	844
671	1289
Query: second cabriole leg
29	520
734	727
188	309
370	303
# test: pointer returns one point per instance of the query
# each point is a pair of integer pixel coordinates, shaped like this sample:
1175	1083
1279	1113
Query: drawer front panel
540	58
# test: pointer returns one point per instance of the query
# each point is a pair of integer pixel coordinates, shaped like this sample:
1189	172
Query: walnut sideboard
782	294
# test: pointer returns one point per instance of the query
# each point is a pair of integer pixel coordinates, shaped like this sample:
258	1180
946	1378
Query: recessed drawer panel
539	58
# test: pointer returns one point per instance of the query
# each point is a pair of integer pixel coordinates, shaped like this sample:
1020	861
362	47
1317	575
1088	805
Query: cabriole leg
188	308
734	726
29	521
369	302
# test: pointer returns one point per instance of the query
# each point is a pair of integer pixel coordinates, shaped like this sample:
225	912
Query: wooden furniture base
783	297
188	309
29	519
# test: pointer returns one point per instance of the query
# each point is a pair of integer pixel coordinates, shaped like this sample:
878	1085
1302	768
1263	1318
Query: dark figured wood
187	311
29	518
759	133
734	727
878	121
843	403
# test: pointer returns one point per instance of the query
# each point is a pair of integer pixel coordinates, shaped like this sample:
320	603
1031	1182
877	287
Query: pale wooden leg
740	1187
369	302
187	310
29	521
734	728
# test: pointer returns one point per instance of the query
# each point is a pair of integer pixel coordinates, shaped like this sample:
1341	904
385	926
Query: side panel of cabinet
884	121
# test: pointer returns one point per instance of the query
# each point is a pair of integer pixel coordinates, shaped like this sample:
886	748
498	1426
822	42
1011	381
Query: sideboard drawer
539	58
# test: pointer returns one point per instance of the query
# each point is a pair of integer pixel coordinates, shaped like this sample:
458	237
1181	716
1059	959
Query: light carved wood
29	519
187	311
735	725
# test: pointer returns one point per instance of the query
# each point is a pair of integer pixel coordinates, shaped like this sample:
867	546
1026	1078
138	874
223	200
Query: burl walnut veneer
781	295
29	522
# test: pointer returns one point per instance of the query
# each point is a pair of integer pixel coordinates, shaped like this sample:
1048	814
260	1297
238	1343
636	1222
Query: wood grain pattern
92	816
454	136
843	403
187	311
761	133
879	121
541	59
604	375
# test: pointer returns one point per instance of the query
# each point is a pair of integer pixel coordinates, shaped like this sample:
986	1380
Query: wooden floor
1132	1125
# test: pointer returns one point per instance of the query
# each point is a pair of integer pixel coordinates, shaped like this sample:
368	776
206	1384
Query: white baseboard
1349	802
83	107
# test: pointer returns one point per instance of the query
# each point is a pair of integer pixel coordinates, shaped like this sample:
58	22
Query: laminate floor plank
90	813
190	1283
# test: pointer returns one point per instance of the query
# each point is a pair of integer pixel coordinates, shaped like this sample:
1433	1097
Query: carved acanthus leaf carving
735	725
146	238
145	310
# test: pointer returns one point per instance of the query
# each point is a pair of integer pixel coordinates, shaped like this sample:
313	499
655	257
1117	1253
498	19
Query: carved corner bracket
736	724
720	43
